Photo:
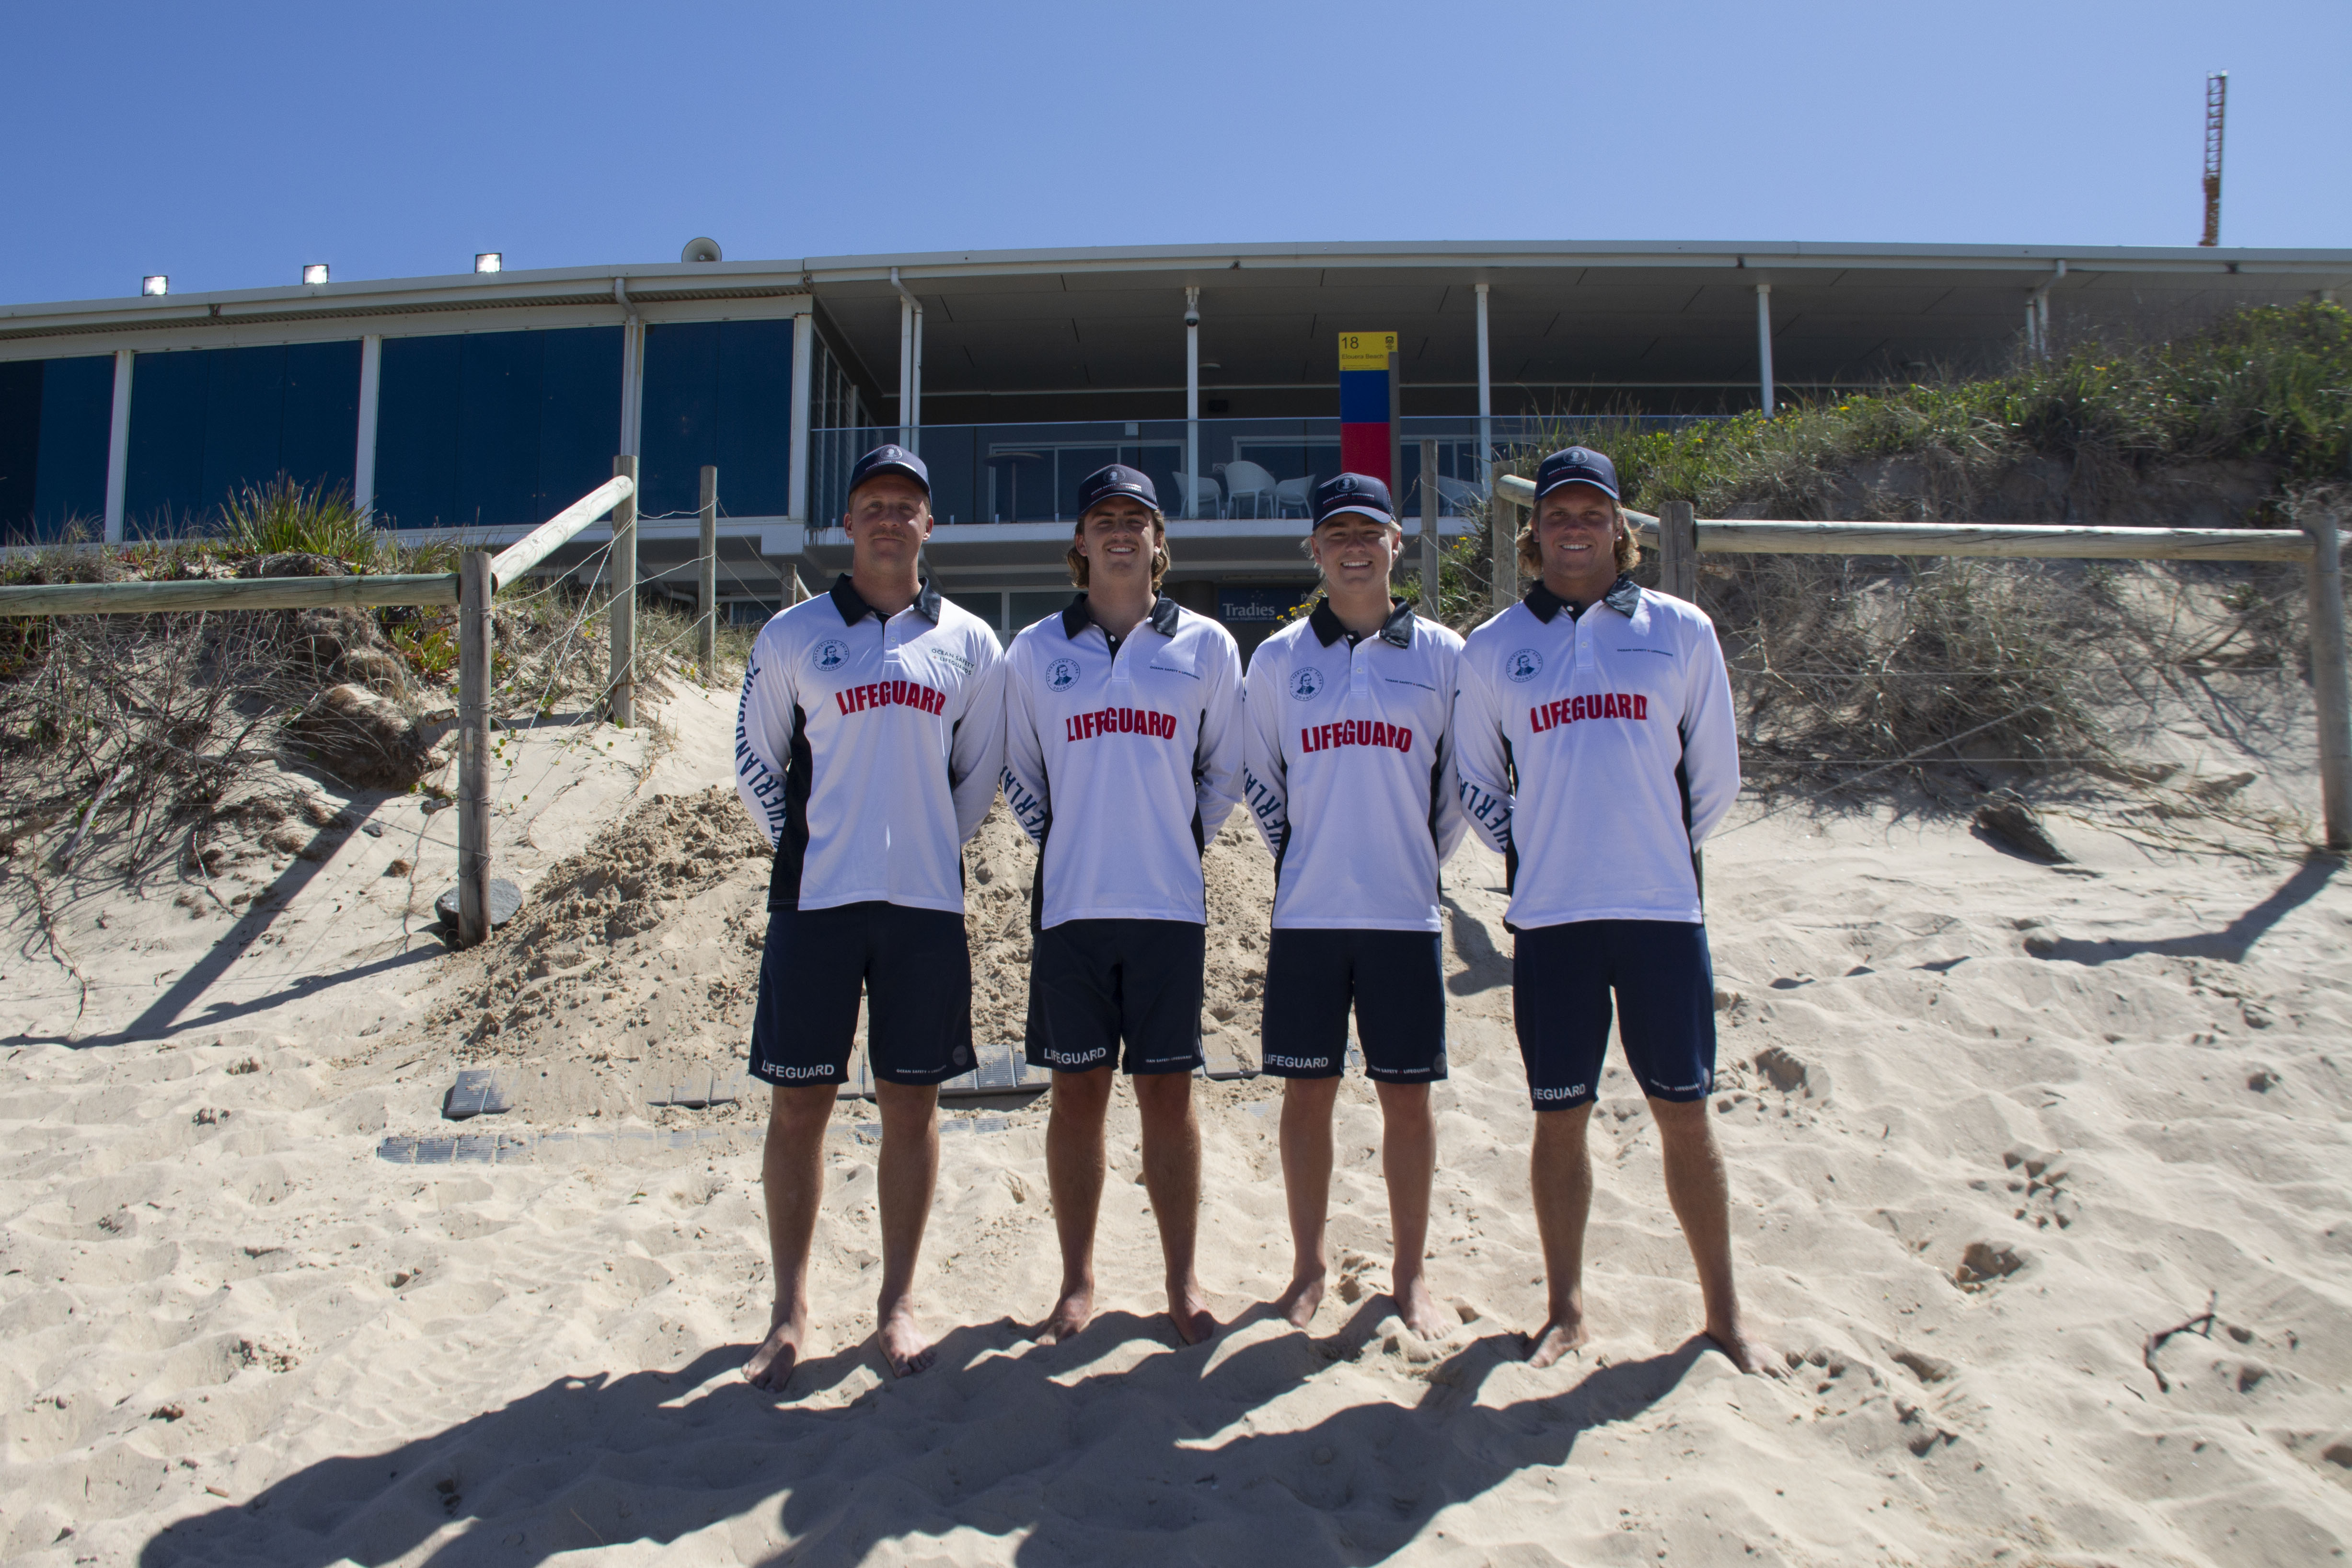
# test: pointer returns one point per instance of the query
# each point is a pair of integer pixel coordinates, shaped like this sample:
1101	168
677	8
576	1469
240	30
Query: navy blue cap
1118	479
1359	493
890	459
1577	466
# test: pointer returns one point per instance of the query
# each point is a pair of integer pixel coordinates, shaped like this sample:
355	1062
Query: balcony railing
1248	467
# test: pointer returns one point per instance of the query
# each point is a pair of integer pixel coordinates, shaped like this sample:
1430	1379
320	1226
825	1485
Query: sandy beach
1991	1125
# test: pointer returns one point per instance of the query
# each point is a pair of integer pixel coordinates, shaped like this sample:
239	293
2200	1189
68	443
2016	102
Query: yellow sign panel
1366	351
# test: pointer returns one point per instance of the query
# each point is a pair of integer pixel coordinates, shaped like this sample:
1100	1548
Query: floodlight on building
488	262
702	248
154	283
315	272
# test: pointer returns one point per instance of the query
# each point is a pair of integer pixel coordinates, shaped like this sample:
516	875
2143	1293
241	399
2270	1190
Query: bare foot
1189	1310
1745	1352
1298	1304
903	1344
1559	1337
1070	1315
771	1366
1418	1307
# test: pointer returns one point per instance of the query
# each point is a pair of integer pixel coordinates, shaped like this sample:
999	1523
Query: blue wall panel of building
167	440
20	446
318	440
416	431
207	423
77	416
680	417
53	419
493	429
719	393
580	416
499	389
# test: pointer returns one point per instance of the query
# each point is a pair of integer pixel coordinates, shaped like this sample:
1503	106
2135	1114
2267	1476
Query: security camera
1192	317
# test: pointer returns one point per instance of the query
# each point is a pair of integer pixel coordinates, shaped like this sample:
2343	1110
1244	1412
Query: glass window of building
495	429
205	423
55	416
717	393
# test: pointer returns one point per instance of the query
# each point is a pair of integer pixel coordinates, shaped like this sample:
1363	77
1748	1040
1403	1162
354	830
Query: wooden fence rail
2316	548
226	593
470	588
2046	542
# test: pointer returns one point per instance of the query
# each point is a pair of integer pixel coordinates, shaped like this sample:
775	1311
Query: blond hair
1629	549
1306	545
1076	559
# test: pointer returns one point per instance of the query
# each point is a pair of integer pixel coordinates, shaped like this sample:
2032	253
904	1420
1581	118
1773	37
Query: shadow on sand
165	1017
2230	943
1151	1459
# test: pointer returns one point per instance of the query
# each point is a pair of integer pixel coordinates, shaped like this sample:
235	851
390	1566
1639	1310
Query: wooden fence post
623	607
474	633
1503	514
2330	691
1678	551
707	598
1430	571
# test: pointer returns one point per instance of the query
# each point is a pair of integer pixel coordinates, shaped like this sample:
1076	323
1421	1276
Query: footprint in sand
1983	1263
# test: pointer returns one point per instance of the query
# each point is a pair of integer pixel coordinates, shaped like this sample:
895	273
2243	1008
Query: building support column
1192	399
796	479
1764	344
2037	314
1432	577
633	367
364	458
1486	397
118	447
910	366
1487	467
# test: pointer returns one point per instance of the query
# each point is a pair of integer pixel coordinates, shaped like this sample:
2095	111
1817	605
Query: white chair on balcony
1246	479
1207	502
1299	492
1452	495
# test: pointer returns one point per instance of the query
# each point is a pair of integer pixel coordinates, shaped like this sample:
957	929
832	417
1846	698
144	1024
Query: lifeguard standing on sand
1123	743
1348	775
1594	740
867	746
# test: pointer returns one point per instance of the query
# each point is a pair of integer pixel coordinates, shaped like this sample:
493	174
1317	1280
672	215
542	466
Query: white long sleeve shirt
1121	762
1597	753
867	748
1349	770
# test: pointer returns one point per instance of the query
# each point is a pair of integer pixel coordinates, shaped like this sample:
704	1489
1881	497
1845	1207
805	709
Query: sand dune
1991	1125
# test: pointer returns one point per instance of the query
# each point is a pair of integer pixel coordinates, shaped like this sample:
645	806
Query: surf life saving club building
477	404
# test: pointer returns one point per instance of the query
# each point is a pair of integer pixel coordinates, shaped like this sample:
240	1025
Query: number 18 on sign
1366	403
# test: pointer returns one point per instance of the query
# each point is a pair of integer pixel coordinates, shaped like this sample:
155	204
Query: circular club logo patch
1306	684
1062	674
1524	665
831	654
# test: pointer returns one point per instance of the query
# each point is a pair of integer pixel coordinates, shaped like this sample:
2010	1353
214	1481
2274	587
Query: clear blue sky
226	144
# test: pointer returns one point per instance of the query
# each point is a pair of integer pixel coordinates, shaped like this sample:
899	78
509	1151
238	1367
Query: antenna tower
2217	98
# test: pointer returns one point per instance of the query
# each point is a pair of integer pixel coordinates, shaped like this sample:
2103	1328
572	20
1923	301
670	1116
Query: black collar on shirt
1624	596
854	607
1396	631
1077	618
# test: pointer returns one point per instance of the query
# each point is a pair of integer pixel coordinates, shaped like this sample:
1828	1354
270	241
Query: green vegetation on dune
2271	384
1965	675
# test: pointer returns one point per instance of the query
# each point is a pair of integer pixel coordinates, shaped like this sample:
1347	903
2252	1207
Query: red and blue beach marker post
1367	402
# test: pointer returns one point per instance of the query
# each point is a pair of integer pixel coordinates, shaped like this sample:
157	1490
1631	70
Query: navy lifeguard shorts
1093	984
1561	980
1396	982
912	968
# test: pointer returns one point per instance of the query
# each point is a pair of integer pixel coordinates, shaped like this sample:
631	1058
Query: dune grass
2272	384
1842	666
